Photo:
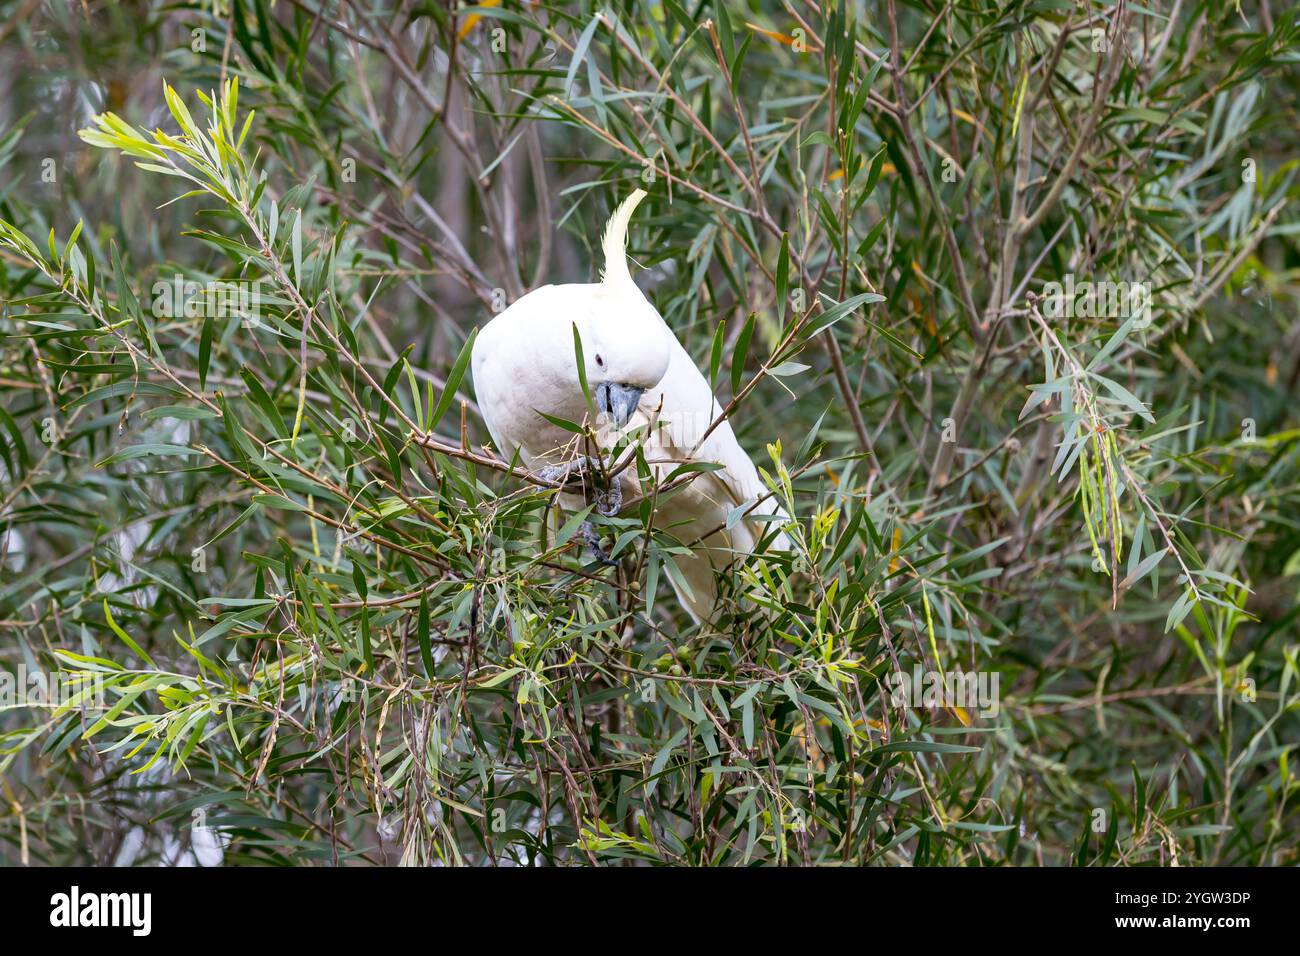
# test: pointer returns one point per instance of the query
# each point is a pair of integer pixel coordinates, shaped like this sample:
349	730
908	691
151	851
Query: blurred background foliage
333	627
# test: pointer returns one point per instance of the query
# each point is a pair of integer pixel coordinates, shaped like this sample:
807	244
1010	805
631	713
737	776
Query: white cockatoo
640	378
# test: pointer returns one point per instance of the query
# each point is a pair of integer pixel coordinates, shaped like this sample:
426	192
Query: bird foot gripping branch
589	536
585	472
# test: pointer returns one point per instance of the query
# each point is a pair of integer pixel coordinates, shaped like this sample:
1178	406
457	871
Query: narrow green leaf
422	635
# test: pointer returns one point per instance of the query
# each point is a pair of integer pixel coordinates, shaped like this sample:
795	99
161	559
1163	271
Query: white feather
524	362
698	512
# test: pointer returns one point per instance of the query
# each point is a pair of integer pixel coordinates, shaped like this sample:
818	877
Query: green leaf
715	354
422	635
1147	565
1130	400
740	353
783	276
296	243
454	378
257	392
581	361
579	52
839	310
205	351
126	638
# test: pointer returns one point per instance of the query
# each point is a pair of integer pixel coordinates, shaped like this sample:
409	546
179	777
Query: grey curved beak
617	401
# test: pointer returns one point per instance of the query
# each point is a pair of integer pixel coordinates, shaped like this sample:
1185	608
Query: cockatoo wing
511	376
682	409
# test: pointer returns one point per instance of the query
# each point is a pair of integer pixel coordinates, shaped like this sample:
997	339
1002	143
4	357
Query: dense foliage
249	515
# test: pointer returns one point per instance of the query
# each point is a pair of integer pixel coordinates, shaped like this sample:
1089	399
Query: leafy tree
1001	297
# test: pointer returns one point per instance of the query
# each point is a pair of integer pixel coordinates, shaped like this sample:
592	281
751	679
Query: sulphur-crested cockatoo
640	378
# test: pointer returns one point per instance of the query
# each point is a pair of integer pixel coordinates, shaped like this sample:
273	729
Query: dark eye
600	361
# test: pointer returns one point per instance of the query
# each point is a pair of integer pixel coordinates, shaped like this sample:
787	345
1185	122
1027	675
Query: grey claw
609	503
587	533
555	474
564	473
